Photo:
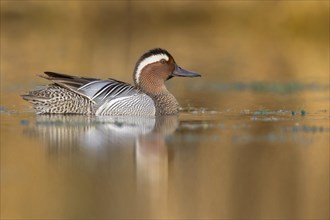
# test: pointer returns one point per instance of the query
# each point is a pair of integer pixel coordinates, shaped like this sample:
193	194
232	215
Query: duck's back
80	95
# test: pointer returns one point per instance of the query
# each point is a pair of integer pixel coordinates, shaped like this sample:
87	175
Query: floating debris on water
301	112
194	110
305	128
255	118
281	88
2	109
24	122
5	110
262	112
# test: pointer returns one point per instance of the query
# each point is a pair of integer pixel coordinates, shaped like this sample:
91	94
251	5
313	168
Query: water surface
203	164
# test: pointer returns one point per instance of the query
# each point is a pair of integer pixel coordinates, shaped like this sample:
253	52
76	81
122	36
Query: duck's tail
54	99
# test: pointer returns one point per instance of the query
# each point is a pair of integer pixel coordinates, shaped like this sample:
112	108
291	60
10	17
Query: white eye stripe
147	61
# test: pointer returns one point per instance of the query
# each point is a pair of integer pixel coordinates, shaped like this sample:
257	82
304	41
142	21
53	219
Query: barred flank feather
55	99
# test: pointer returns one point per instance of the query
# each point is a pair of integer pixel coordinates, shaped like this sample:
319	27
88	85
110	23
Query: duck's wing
94	89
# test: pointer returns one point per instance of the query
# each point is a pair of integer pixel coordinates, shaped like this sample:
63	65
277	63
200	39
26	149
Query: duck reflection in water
67	132
108	138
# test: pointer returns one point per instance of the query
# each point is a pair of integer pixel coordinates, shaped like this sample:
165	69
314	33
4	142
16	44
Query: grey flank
81	95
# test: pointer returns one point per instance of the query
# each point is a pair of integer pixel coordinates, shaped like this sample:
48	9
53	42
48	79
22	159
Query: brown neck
165	103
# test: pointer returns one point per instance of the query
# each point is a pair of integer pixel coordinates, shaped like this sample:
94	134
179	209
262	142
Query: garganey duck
81	95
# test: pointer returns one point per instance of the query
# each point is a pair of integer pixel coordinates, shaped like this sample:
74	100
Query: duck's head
154	68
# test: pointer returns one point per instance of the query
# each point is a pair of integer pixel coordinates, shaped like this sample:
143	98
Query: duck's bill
184	73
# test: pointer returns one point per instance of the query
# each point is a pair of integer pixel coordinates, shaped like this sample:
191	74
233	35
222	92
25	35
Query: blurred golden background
244	41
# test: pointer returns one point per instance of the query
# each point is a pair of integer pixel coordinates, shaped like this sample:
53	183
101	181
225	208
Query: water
252	138
202	164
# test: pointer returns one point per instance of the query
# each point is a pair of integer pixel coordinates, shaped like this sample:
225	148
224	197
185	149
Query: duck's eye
162	61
